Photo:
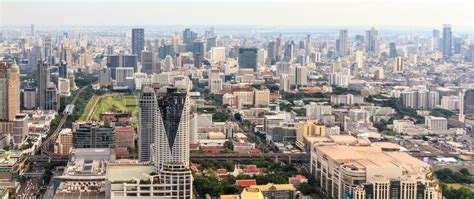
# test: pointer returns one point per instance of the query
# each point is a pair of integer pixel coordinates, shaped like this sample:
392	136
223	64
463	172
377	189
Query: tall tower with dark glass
138	41
447	41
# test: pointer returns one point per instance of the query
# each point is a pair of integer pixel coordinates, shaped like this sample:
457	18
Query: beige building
262	97
244	97
9	90
378	171
309	128
64	142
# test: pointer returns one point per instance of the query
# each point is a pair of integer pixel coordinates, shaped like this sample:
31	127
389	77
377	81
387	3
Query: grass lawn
88	108
117	103
457	186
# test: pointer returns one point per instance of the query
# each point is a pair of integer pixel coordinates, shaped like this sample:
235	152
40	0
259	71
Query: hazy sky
239	12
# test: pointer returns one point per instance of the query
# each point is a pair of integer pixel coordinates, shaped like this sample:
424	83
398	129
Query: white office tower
215	85
359	59
461	116
339	79
168	64
285	82
164	118
261	56
398	65
301	76
64	87
218	54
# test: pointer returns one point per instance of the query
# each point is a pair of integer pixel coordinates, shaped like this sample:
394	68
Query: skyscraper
393	50
121	60
447	41
469	104
308	44
278	51
138	41
342	43
9	91
398	65
32	29
248	58
164	122
436	40
288	53
149	62
372	42
43	81
189	36
271	50
48	50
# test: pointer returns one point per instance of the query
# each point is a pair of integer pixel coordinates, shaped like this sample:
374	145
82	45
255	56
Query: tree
229	145
220	117
238	116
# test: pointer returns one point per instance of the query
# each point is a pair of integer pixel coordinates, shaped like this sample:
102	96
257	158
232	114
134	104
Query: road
29	189
46	145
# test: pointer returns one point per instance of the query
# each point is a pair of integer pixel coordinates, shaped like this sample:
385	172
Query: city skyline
280	13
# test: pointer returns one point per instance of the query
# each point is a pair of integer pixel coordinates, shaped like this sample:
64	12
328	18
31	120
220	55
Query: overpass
287	157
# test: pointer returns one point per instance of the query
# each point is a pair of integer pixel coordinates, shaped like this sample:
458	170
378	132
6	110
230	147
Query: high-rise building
149	63
471	54
457	42
9	90
218	54
63	70
165	50
278	47
393	50
271	51
48	50
64	143
289	49
29	98
189	36
199	48
32	29
43	82
164	124
138	41
121	60
51	98
468	104
248	58
447	41
36	54
172	123
436	43
398	65
92	135
146	130
372	41
308	45
359	58
342	43
105	78
20	128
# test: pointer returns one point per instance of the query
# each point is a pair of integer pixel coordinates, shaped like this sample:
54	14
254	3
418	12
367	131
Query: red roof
212	149
123	129
121	151
245	183
298	177
251	169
